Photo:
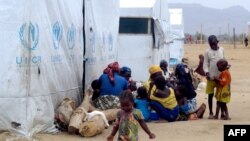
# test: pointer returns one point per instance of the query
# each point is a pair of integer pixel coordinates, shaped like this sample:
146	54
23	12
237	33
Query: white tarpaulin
101	28
42	53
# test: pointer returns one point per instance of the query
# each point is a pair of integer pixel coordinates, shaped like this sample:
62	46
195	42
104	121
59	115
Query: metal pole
229	41
84	50
248	36
234	37
201	35
219	36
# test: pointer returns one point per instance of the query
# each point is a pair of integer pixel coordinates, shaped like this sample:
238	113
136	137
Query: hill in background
213	21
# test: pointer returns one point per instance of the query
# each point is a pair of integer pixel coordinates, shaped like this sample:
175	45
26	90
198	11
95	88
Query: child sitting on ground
142	103
185	80
127	120
223	92
180	94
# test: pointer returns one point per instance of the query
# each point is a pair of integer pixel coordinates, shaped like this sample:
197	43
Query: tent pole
84	49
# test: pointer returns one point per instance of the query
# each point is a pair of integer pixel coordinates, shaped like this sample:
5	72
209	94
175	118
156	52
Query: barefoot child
127	120
180	94
223	92
185	80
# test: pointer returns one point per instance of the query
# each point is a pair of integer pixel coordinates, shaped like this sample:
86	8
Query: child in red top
223	92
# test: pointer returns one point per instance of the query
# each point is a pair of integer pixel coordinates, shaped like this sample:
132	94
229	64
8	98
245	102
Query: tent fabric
101	29
160	10
42	53
163	33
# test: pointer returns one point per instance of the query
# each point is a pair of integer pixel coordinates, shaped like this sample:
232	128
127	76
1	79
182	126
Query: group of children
135	110
218	76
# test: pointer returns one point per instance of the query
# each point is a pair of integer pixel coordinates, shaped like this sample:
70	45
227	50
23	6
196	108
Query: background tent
42	53
144	35
177	30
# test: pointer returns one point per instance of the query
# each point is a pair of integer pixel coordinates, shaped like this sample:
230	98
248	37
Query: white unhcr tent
42	53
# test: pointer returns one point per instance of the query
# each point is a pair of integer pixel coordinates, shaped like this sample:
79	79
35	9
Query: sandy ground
203	129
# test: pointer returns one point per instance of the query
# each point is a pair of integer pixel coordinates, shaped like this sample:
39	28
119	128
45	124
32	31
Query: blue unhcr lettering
34	60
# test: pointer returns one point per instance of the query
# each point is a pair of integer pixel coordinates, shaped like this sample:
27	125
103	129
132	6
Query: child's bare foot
192	116
226	118
211	116
215	117
222	116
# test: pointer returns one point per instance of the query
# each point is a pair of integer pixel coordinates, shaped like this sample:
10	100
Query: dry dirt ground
203	129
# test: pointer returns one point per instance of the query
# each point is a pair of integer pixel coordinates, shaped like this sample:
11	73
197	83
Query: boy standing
211	57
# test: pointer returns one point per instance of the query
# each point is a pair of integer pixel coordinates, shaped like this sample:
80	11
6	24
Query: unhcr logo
57	34
29	35
71	36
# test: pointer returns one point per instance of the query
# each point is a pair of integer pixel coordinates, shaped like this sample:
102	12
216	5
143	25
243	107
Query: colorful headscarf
112	67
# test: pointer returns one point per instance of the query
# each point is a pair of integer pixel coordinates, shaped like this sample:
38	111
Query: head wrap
111	68
185	80
180	71
125	69
163	62
154	69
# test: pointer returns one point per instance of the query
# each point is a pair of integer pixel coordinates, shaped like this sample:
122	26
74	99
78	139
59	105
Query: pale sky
221	4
